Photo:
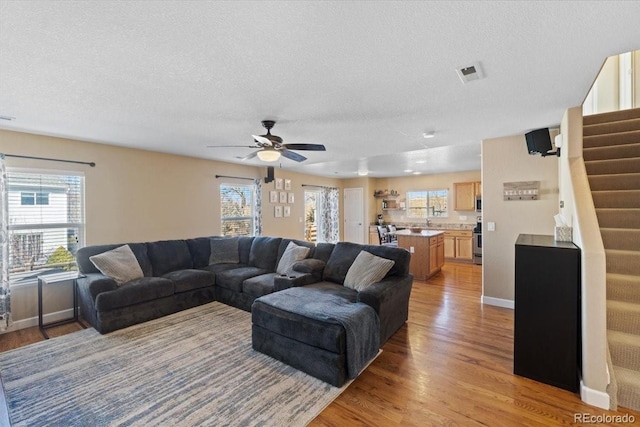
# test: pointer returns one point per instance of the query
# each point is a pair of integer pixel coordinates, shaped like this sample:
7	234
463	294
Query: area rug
195	367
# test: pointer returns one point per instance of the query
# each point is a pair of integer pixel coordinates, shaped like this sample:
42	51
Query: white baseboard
33	321
593	397
498	302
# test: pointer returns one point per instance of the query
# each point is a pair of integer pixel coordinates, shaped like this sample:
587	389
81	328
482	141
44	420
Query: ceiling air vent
470	73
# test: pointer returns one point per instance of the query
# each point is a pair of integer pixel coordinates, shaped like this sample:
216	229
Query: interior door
354	215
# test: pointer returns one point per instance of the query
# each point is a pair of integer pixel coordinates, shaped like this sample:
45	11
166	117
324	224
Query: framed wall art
273	196
287	211
283	197
290	198
278	183
277	212
287	184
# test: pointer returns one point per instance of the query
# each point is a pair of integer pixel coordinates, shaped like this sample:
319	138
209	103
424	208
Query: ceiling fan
270	147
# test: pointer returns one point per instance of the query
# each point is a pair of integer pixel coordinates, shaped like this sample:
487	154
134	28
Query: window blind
237	208
46	223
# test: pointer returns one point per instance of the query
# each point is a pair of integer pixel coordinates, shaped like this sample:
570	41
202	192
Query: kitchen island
427	251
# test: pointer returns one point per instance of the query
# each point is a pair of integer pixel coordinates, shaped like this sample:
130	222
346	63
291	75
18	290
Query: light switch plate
491	226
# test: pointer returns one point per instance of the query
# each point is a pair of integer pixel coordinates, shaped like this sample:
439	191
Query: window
31	198
427	204
46	223
311	208
236	205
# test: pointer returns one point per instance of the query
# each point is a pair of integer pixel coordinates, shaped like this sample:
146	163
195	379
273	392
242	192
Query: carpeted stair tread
611	116
620	138
612	152
612	127
616	199
625	349
623	287
613	166
623	181
623	316
621	238
618	217
628	387
623	262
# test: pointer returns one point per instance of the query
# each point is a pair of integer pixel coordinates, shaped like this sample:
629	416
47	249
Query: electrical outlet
491	226
411	249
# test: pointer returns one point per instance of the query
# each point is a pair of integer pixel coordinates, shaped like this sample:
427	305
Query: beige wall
421	182
135	195
507	160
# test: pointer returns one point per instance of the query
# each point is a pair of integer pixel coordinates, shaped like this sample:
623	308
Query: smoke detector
470	73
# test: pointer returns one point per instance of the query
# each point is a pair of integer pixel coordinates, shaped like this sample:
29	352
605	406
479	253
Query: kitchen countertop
424	233
437	226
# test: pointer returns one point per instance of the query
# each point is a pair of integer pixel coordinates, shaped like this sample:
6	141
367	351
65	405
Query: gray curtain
257	210
5	293
329	216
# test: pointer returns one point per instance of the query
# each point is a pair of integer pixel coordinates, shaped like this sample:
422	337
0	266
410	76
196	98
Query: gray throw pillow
292	254
366	270
224	250
120	264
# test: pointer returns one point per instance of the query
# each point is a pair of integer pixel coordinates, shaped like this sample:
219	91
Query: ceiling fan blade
250	156
232	146
262	140
293	156
308	147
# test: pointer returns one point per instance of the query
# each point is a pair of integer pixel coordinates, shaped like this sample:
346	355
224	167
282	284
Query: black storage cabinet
547	311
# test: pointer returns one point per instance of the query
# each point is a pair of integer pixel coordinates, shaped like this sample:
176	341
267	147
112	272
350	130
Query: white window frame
223	219
80	226
428	207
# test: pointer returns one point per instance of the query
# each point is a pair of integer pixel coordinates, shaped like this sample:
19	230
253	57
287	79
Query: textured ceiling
366	79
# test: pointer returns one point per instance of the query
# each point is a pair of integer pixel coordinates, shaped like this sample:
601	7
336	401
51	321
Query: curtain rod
92	164
236	177
319	186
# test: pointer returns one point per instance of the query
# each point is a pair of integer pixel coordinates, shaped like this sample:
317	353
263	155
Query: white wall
507	160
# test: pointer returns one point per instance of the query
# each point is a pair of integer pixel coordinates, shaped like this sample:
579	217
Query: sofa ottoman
324	335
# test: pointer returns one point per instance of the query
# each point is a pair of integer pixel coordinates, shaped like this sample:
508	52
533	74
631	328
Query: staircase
611	151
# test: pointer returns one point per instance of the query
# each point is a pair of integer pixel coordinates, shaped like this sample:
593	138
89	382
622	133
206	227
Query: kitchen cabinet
546	344
424	247
436	254
464	248
458	245
465	195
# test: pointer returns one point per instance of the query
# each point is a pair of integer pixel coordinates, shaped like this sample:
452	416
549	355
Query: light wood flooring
451	364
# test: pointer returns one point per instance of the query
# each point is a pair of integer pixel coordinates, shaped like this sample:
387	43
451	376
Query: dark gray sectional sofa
177	276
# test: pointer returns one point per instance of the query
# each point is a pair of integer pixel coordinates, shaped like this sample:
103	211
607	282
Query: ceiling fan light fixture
268	155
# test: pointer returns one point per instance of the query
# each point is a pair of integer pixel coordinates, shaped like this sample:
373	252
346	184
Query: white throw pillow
291	255
366	270
120	264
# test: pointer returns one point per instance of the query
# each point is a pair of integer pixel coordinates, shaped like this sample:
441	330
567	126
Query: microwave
478	204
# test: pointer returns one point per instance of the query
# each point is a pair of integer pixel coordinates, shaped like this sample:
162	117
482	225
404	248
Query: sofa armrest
310	265
97	283
390	299
294	280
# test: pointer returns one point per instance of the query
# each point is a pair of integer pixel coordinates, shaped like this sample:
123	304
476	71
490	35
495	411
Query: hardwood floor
451	364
